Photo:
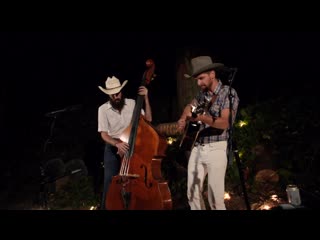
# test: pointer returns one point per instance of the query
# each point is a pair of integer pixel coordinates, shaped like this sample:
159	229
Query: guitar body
190	136
192	129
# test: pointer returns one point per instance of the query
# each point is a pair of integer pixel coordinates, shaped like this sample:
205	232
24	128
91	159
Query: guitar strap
213	99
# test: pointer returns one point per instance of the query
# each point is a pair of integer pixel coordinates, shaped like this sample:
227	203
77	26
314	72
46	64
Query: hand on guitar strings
189	117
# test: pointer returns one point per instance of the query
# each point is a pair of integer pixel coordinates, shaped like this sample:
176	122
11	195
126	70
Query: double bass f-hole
146	176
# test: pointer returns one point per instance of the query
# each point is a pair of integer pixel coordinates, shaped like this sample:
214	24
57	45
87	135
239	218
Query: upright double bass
139	184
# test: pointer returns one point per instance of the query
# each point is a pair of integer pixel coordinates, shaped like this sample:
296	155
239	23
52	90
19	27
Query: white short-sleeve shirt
113	122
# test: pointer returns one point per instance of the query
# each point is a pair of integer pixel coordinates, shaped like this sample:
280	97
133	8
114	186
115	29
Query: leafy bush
76	194
285	126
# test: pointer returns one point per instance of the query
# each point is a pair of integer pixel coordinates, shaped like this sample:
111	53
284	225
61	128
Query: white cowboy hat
113	86
202	64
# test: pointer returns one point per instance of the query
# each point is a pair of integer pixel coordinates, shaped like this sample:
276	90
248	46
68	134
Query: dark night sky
47	71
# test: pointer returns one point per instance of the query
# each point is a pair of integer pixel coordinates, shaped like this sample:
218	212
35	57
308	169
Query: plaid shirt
222	102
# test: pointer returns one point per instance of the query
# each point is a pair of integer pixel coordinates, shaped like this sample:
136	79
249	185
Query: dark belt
210	131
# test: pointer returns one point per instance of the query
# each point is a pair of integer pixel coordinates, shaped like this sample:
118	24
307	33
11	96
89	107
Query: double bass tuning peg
149	73
149	62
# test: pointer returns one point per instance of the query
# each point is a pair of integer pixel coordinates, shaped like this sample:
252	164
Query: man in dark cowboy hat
209	153
114	117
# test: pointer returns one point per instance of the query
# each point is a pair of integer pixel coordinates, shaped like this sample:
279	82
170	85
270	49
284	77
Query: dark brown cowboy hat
202	64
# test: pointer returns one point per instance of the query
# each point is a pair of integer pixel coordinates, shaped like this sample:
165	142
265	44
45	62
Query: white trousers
211	159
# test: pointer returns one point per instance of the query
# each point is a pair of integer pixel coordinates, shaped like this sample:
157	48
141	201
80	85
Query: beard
204	88
117	104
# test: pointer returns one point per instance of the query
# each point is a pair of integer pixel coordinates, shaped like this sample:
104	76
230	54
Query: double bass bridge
126	195
130	175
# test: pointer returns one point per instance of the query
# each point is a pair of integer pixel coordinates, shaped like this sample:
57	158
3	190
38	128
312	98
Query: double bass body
143	188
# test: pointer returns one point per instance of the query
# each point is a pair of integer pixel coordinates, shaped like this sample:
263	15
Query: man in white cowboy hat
114	117
209	153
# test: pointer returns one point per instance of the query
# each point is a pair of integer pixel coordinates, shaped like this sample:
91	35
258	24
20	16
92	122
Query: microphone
230	69
73	108
67	109
51	114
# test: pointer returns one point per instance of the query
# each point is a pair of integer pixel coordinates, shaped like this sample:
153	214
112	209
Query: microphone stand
51	133
44	180
232	147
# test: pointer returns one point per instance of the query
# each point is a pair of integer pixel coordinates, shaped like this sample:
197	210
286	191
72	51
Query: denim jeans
111	168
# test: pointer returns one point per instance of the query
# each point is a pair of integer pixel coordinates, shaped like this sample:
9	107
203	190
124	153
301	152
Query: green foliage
288	127
76	194
232	173
286	175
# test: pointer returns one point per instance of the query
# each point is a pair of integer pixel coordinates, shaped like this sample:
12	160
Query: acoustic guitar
193	129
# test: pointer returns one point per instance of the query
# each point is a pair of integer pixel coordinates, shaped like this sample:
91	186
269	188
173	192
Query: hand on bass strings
123	147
